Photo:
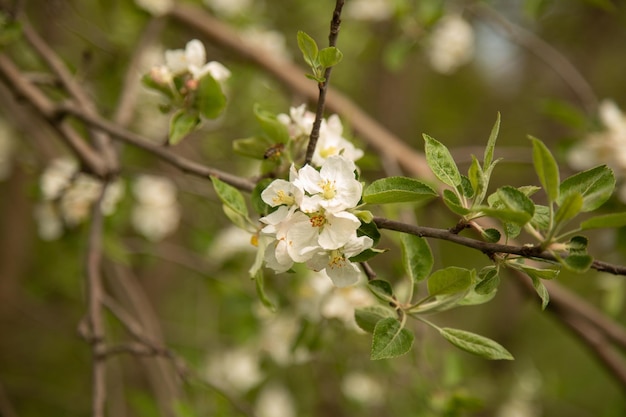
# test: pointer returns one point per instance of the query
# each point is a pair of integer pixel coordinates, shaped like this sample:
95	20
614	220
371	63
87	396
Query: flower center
317	220
329	151
283	198
337	260
328	189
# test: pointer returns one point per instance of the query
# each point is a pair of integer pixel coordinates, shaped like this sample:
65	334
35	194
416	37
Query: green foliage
450	280
546	168
318	60
209	99
397	190
594	185
182	123
368	317
441	162
476	344
390	339
417	257
381	289
613	220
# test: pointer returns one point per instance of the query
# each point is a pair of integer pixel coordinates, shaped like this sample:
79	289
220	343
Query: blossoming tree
226	247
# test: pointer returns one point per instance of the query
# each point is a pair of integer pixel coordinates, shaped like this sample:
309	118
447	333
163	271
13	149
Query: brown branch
335	24
102	141
486	247
95	316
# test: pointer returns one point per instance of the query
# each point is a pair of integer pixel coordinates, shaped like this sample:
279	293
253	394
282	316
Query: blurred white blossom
7	147
278	334
522	400
362	388
155	7
451	44
68	196
270	41
370	10
275	401
156	213
229	8
235	370
605	147
193	60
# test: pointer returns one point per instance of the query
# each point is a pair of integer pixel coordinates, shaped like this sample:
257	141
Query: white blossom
77	200
451	44
57	177
299	121
370	10
332	143
229	8
193	59
155	7
49	224
360	387
275	401
235	370
156	213
271	42
336	263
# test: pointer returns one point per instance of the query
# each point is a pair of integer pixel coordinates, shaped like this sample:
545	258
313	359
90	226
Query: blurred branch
335	24
102	141
542	50
95	317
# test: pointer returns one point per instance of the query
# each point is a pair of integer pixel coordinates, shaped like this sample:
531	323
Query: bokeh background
184	277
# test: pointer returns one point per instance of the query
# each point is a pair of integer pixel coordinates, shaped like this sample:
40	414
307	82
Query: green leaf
416	257
466	188
578	245
209	98
397	190
236	218
595	185
260	206
577	262
230	196
450	280
441	162
477	180
390	339
540	273
491	143
569	208
541	218
182	123
309	49
541	290
476	344
506	215
366	255
367	317
490	280
370	230
252	147
274	130
546	168
381	289
515	200
613	220
330	56
451	200
491	235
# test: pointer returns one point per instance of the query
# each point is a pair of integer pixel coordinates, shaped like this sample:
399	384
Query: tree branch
335	24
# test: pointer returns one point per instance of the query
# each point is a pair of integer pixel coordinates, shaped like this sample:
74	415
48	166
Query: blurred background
174	264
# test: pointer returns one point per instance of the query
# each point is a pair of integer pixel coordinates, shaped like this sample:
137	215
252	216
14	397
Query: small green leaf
260	206
546	168
450	280
611	221
252	147
541	218
381	289
236	218
309	49
541	290
466	188
476	344
367	317
506	215
578	245
209	98
577	262
390	339
366	255
491	143
515	200
491	235
330	56
273	129
441	162
490	280
370	230
182	123
540	273
397	190
416	257
477	180
595	185
451	200
230	196
569	208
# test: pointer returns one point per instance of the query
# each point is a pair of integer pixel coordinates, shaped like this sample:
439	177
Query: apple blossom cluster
156	213
451	44
331	142
190	60
313	222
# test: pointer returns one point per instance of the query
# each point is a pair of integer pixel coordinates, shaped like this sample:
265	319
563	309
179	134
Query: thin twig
335	24
95	314
486	247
